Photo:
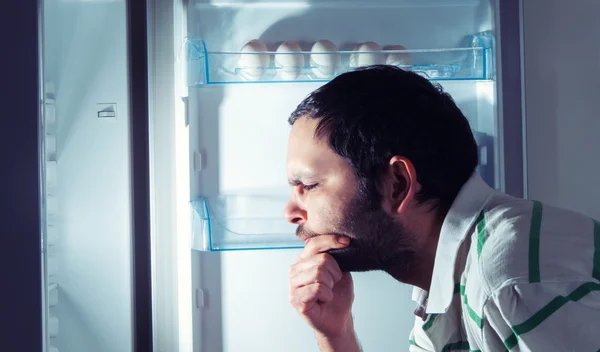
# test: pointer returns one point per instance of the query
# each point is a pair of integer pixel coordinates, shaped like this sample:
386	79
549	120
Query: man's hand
323	295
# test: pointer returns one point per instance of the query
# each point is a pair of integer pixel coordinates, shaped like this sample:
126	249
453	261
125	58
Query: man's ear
403	183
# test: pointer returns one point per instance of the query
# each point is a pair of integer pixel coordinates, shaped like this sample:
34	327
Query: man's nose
294	213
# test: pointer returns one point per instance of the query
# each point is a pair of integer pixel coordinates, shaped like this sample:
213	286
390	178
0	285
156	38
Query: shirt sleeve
543	316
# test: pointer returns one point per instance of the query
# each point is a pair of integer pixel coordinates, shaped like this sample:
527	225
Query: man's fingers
320	268
306	297
322	243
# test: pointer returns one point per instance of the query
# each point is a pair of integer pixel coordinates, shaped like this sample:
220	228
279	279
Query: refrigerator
155	217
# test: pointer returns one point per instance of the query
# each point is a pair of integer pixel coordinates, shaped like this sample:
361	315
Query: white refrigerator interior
225	136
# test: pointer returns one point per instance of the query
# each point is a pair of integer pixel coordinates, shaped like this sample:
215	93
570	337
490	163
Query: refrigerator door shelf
241	222
332	3
205	67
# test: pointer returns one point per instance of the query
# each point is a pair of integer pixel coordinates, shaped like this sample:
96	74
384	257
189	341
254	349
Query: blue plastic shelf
360	4
241	222
206	67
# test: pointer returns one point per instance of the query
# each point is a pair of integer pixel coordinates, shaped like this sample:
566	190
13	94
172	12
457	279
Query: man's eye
309	187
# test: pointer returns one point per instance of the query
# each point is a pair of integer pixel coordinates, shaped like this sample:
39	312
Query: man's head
368	152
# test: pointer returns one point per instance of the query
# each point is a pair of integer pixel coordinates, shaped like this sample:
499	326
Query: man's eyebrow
294	182
297	178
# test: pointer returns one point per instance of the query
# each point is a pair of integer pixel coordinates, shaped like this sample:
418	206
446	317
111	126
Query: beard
377	240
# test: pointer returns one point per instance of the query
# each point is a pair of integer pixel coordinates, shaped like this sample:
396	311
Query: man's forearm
348	342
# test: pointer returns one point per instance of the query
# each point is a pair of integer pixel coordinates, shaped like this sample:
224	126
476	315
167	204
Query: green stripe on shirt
480	233
470	310
429	322
432	317
534	242
596	270
549	309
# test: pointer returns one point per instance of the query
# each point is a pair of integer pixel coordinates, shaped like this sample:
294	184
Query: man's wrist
346	341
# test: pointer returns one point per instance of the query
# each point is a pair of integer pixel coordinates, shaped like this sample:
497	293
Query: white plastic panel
437	25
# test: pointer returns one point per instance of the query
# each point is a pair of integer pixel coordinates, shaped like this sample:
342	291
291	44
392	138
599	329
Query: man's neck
426	237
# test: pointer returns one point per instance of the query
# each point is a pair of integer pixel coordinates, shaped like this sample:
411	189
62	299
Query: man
382	166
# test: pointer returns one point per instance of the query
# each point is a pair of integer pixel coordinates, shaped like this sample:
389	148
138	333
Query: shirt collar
457	224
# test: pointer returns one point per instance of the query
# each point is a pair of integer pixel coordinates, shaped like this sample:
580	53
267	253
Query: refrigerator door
94	178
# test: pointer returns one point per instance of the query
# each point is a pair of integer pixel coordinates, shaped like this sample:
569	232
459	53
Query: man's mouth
306	238
304	235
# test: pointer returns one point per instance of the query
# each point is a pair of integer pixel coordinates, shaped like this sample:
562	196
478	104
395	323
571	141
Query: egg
397	59
359	59
253	60
324	58
290	64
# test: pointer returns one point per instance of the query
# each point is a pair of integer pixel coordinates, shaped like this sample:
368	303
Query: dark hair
375	112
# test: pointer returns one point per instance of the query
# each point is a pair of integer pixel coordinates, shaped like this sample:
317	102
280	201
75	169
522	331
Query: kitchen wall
562	86
85	57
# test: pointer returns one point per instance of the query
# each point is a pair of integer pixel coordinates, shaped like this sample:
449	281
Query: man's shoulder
523	239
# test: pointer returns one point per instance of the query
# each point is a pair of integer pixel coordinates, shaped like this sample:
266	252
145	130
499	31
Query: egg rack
240	4
206	67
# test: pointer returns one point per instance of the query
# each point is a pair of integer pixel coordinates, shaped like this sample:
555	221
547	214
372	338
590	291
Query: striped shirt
511	275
